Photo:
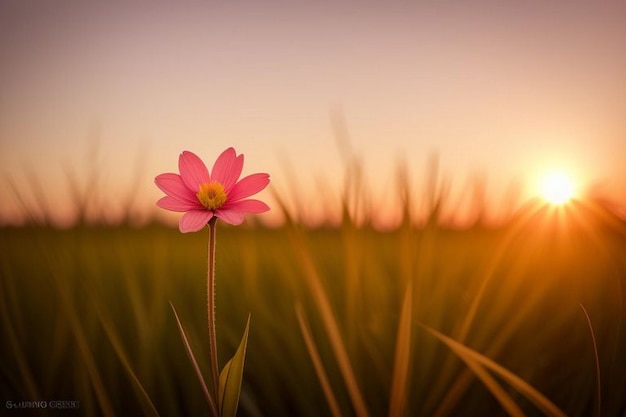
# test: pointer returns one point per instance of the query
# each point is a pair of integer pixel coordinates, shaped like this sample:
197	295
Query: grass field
85	316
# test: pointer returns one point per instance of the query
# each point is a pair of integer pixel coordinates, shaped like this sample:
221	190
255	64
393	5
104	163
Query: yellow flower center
212	195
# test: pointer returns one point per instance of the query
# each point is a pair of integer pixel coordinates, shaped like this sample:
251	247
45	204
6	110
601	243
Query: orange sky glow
503	93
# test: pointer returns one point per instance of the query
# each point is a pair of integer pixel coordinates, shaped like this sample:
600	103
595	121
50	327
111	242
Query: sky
506	91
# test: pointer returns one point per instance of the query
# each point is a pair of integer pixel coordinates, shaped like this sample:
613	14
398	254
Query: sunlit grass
418	320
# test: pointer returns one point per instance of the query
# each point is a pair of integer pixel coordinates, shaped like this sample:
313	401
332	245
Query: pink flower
202	195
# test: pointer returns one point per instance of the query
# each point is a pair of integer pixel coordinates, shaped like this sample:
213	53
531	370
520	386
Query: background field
384	281
85	315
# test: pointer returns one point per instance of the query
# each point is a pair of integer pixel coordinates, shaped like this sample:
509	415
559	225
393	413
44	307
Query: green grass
85	315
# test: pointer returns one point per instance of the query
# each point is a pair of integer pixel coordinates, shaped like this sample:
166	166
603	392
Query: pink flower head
220	193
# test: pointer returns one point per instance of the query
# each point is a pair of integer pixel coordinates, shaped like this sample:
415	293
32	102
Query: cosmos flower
203	195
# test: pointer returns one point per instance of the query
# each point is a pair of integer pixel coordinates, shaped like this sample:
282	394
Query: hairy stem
211	308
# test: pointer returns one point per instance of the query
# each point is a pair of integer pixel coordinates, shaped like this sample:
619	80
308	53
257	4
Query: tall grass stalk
11	337
149	407
317	362
332	330
473	358
196	367
400	377
84	349
495	261
597	362
462	382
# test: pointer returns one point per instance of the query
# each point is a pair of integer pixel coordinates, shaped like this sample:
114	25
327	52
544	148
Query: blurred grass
85	315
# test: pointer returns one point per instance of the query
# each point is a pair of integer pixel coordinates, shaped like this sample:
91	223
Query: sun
557	188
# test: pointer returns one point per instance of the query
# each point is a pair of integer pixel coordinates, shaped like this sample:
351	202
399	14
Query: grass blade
495	261
119	350
84	348
196	367
597	360
472	358
398	395
334	335
496	390
317	362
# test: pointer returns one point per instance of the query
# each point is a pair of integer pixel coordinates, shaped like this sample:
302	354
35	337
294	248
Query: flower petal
174	204
192	170
248	186
248	206
227	168
194	220
173	185
230	216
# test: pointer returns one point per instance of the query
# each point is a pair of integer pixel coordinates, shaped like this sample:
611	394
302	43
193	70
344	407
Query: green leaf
231	377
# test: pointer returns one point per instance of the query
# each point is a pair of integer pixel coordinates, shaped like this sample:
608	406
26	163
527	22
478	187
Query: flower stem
211	309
